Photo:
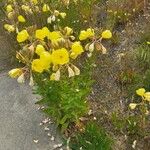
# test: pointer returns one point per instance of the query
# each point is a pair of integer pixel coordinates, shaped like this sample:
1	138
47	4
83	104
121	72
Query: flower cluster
51	48
145	96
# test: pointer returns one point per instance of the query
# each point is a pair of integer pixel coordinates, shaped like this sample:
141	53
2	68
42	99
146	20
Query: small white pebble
35	141
46	129
94	118
45	121
57	146
134	144
52	138
41	124
49	134
90	112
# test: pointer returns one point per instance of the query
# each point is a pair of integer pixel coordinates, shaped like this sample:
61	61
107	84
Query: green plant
65	100
143	55
93	138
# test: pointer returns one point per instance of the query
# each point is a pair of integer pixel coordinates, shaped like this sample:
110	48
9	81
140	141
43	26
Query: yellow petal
106	34
21	18
140	92
147	96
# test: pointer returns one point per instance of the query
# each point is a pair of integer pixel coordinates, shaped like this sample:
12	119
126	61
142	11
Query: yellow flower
86	34
39	49
34	1
60	56
9	8
22	36
77	49
21	18
46	56
45	31
106	34
45	8
63	15
132	105
9	28
148	42
55	35
147	96
90	32
15	72
83	35
37	65
140	92
40	34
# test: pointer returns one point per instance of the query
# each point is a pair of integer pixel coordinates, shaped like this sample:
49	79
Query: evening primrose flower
86	34
83	35
148	42
34	1
39	49
15	72
41	33
21	18
45	8
54	36
9	8
76	49
63	15
9	28
46	57
106	34
60	56
22	36
90	32
37	65
147	96
132	105
140	92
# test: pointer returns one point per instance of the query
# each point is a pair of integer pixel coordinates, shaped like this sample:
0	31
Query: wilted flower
132	105
9	8
9	28
15	72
